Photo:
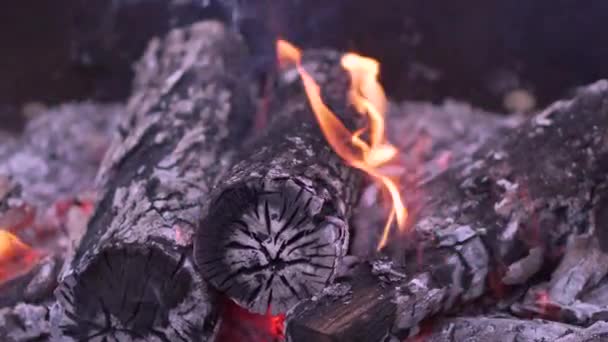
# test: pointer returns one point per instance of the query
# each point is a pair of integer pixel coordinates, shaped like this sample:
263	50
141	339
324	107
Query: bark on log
132	277
430	139
521	199
277	226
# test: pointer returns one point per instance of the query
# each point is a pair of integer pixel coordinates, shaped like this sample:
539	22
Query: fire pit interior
304	171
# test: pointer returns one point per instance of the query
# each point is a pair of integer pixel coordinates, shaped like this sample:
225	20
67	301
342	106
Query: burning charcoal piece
536	188
132	276
33	285
276	227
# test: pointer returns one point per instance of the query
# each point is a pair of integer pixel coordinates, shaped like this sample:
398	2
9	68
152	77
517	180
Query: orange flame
15	256
368	98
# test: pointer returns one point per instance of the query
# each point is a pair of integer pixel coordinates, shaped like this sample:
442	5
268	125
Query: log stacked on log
490	224
132	277
275	230
277	225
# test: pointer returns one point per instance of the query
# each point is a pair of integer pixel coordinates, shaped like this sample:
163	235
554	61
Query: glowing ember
240	325
15	256
367	96
426	330
497	288
542	299
277	326
546	307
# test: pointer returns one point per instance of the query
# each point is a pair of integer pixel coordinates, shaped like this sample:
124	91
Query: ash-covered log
277	226
481	328
430	139
132	275
482	228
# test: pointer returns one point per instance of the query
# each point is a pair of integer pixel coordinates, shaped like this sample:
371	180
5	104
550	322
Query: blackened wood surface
132	277
277	224
480	222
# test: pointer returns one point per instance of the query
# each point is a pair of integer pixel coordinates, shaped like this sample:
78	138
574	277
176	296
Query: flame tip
368	98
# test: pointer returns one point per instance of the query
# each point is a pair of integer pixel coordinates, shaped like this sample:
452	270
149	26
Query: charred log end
362	310
132	293
270	245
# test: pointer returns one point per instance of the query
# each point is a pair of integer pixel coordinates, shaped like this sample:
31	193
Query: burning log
438	137
483	227
276	227
132	276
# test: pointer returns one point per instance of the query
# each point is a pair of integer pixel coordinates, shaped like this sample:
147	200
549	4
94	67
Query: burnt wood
277	225
132	275
35	286
488	328
482	228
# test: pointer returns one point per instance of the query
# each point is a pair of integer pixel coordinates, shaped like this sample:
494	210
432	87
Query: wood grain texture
277	225
132	277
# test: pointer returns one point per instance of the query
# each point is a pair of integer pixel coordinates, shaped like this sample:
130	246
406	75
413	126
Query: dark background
54	51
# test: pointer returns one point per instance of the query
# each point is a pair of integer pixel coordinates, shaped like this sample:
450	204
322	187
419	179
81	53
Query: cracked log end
135	295
132	276
270	245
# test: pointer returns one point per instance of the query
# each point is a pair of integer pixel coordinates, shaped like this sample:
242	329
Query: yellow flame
9	245
15	255
368	98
